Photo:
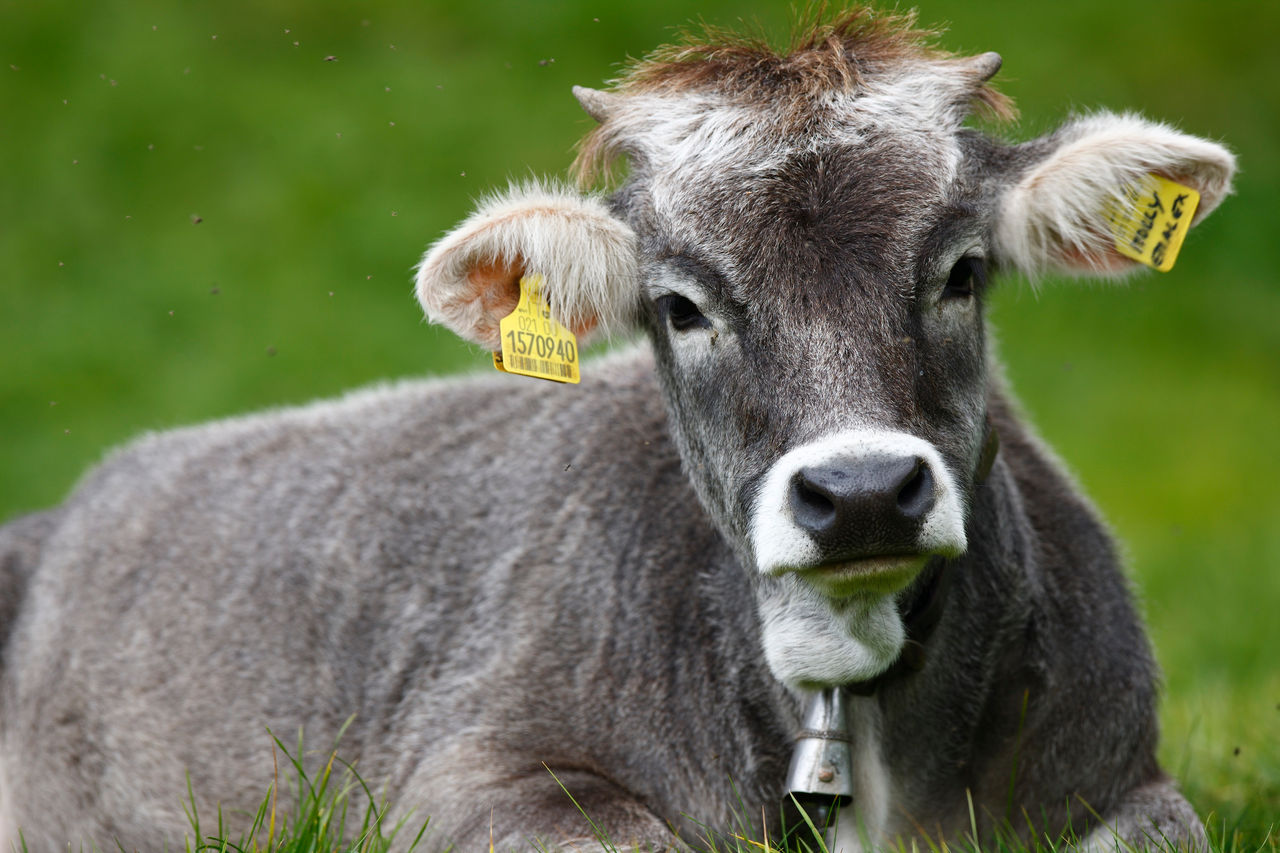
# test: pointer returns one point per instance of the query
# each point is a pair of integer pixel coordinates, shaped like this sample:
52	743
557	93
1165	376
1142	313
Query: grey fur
502	578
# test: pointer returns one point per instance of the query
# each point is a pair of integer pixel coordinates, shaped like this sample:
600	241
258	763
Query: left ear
1053	218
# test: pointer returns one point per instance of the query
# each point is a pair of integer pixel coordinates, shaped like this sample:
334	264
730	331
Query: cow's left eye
683	313
966	276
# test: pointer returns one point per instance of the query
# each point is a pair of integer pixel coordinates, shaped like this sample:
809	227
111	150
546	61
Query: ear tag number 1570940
533	343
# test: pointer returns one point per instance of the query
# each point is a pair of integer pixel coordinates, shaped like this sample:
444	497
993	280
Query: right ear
470	279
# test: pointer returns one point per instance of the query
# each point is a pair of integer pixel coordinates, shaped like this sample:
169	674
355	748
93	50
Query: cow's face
817	324
811	278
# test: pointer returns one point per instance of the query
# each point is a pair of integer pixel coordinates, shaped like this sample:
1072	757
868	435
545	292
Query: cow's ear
470	279
1053	219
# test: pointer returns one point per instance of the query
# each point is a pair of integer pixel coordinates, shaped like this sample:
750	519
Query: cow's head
807	239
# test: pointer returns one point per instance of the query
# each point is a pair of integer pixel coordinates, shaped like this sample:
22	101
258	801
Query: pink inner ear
1109	261
497	290
584	327
1104	260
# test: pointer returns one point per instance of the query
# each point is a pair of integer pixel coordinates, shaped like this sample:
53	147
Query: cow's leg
1153	816
536	813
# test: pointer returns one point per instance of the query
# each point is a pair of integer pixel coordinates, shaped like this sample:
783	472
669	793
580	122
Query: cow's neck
822	766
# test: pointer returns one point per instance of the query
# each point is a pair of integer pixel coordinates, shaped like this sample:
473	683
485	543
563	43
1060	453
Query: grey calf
637	582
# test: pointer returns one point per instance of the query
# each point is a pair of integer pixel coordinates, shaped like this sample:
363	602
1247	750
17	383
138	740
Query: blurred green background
208	208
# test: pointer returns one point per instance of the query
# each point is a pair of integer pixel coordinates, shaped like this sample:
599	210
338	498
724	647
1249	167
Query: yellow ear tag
1150	223
533	343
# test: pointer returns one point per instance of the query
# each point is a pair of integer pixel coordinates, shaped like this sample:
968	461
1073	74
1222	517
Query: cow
617	598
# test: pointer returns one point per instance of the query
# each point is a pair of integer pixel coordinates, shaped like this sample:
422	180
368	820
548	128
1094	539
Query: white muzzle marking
782	545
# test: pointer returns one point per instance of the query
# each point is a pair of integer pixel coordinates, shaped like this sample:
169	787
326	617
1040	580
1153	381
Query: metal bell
820	778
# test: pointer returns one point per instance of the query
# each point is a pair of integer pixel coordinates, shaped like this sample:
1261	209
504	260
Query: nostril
916	497
811	505
874	503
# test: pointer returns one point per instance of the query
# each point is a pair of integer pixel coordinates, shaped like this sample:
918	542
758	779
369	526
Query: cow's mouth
882	574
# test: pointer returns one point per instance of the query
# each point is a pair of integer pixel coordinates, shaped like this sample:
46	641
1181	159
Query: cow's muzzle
858	510
859	507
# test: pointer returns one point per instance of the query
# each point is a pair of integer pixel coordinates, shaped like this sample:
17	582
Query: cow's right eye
682	313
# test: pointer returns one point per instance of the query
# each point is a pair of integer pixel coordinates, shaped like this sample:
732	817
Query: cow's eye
966	276
684	315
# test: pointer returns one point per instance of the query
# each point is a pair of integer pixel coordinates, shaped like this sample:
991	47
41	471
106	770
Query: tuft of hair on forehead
827	53
822	56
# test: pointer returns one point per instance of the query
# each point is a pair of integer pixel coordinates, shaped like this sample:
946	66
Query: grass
1223	838
201	218
319	825
335	811
319	822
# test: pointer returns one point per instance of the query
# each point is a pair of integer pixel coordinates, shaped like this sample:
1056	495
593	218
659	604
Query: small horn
597	104
983	66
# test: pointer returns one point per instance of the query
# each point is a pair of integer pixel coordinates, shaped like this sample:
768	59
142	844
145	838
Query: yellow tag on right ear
1151	222
533	343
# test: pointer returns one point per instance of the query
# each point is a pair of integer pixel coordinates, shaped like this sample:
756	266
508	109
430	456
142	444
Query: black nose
865	507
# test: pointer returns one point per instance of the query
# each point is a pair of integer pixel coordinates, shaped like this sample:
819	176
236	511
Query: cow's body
474	603
635	584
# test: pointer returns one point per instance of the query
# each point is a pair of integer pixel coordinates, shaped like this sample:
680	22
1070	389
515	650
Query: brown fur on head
827	53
